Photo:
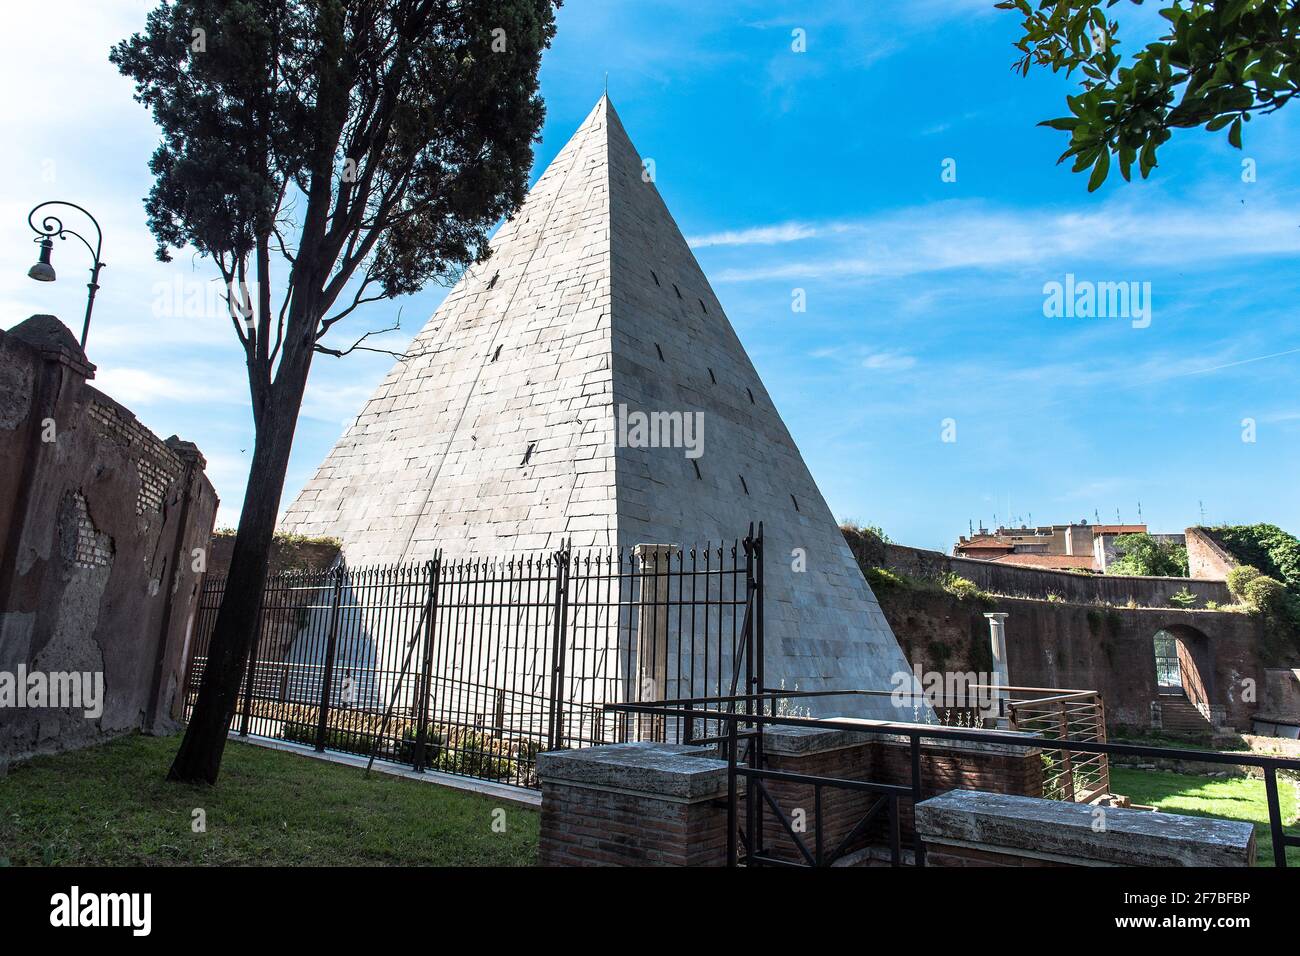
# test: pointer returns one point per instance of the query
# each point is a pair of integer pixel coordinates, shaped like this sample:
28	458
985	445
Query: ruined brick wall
99	519
1020	581
1084	647
1206	558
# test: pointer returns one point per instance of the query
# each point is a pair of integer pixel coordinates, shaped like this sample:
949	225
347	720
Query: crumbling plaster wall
99	521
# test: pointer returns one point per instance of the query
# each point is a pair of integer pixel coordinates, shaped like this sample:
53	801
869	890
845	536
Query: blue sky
819	171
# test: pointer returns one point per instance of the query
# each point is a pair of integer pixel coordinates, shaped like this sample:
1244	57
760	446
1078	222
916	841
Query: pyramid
511	426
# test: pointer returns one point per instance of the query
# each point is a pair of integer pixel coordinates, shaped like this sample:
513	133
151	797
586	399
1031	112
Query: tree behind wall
363	147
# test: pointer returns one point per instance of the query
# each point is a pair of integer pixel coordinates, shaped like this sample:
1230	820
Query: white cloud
758	236
137	386
963	234
888	361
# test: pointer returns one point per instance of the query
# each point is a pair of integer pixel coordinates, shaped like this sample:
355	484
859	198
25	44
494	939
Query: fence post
252	657
430	613
560	616
1067	761
328	677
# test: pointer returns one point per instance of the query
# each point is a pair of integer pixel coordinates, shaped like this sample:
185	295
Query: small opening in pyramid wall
697	469
493	281
751	395
677	290
497	354
529	453
713	378
796	502
655	277
743	485
704	308
660	351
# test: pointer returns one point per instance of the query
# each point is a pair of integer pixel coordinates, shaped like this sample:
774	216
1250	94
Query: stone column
654	563
1001	676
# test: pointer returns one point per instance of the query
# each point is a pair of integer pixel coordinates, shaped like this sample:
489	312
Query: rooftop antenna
1202	506
607	83
1096	515
1139	512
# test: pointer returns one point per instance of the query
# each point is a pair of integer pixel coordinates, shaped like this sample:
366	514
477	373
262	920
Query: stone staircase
1179	717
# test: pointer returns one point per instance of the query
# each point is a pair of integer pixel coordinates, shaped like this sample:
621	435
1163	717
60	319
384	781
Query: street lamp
43	271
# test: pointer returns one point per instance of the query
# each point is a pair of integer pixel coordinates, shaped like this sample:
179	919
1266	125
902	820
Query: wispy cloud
137	386
961	234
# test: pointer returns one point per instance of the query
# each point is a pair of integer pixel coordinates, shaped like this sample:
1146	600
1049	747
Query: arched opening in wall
1183	675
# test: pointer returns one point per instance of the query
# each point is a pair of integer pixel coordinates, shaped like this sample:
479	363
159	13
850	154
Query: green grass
111	806
1231	798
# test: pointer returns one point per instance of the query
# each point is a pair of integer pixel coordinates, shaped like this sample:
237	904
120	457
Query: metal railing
472	666
744	718
1049	712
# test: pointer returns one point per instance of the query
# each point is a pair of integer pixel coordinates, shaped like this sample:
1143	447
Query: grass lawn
1232	798
110	806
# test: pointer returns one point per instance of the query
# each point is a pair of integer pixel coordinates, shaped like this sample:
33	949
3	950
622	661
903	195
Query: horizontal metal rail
915	733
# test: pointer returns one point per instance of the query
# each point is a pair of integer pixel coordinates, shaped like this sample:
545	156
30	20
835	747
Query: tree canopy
1141	554
368	147
1216	65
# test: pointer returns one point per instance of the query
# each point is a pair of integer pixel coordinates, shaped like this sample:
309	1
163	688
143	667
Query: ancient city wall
1022	581
99	519
1110	650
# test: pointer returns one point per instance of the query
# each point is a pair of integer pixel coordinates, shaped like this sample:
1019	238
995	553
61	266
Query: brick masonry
880	759
500	434
100	519
640	804
648	804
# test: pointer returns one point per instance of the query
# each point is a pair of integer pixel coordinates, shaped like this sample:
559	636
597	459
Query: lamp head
43	271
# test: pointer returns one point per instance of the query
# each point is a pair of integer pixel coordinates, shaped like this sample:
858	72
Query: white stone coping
670	771
1080	833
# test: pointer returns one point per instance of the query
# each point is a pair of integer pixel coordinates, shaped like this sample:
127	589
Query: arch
1182	663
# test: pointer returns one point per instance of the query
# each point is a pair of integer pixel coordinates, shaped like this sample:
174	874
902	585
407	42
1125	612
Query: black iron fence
471	666
743	719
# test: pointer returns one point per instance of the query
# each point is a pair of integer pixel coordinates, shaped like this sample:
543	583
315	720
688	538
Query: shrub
1184	598
1264	546
433	744
1264	594
965	589
883	578
1239	577
477	755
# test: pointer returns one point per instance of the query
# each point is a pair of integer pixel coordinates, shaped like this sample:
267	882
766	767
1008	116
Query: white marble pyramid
504	435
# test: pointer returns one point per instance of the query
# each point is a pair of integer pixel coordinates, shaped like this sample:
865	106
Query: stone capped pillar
637	804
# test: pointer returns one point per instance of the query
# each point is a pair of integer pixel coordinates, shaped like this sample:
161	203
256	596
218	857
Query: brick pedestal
638	804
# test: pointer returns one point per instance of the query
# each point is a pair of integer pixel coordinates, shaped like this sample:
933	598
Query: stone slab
664	770
1051	828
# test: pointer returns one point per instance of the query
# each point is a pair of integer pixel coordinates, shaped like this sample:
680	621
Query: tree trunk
199	757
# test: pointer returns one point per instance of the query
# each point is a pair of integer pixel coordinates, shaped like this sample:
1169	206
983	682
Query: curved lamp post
52	226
